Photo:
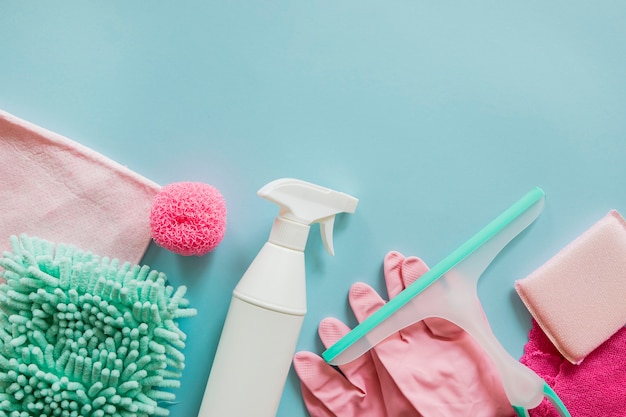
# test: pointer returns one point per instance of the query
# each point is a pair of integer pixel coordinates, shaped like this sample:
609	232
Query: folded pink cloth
59	190
596	387
578	297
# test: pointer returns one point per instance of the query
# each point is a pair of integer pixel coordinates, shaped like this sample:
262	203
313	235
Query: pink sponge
188	218
577	297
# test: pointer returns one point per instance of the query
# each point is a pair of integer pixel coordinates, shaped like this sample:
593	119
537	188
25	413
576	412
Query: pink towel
596	387
59	190
578	297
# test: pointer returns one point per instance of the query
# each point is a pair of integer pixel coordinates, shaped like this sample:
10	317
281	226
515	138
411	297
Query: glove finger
361	372
392	268
330	330
364	300
327	392
412	269
313	404
321	385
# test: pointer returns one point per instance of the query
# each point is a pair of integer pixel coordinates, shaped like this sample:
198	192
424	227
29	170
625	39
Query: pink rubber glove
596	386
431	368
363	388
356	391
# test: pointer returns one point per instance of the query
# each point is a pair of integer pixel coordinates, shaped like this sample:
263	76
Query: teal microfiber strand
86	336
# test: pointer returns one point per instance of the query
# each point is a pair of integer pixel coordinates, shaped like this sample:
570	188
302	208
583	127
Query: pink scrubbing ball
188	218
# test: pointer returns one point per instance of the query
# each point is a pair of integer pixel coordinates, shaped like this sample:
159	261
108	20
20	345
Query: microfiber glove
433	368
596	386
83	335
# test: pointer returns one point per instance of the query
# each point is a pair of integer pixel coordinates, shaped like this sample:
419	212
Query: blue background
436	115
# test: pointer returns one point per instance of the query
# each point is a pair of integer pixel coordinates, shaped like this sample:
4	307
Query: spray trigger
305	203
326	230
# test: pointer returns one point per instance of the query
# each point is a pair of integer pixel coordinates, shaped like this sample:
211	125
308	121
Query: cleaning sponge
578	296
188	218
85	336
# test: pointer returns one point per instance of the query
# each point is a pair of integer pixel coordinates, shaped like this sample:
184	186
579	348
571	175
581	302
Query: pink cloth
430	369
61	191
596	387
578	297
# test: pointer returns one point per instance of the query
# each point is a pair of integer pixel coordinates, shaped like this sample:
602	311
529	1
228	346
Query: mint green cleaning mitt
83	335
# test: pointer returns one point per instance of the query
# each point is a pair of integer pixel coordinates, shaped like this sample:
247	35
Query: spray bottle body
259	337
265	316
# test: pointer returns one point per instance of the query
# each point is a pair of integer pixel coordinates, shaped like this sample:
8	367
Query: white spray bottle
267	309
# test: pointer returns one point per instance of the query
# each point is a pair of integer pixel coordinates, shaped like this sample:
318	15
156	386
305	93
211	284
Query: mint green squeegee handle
449	290
358	341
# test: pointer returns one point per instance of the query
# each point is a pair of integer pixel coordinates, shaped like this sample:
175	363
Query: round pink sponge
188	218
